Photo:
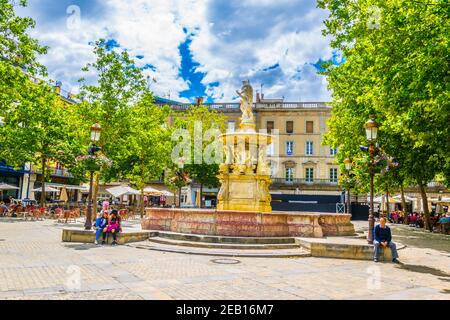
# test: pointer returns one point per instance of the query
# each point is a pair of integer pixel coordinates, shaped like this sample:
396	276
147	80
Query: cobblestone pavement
35	264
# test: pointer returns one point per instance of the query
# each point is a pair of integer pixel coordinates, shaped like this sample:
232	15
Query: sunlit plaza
149	155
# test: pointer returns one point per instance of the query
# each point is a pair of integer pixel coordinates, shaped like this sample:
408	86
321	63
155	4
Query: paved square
35	264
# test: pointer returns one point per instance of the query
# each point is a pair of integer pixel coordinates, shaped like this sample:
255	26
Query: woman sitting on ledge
100	224
114	227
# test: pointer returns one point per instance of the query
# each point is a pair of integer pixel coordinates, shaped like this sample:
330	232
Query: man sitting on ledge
383	237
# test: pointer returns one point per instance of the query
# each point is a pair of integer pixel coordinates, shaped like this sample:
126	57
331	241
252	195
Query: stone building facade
300	164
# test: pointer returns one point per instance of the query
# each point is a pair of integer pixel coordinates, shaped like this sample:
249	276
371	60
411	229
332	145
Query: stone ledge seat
88	236
344	248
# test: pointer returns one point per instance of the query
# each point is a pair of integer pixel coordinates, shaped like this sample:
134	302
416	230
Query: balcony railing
54	171
298	182
234	107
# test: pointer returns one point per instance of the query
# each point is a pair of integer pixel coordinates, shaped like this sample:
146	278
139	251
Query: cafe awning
46	189
4	186
122	191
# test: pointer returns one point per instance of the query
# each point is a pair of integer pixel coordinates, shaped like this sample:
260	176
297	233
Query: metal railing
296	182
234	107
54	171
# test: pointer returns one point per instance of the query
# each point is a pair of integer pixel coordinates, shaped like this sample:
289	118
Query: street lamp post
371	134
92	150
348	167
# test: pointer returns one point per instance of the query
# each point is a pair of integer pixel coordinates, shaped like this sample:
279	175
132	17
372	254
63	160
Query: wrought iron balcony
278	182
234	107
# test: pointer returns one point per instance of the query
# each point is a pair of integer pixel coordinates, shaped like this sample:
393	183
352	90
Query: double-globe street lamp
371	134
96	130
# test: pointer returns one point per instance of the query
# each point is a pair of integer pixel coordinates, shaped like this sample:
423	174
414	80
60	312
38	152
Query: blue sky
193	47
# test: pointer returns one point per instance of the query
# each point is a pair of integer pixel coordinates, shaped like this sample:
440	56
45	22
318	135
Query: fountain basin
247	223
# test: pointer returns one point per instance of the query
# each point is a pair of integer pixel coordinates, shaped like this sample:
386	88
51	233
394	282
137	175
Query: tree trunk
425	207
94	196
142	202
387	204
44	161
201	195
179	197
402	192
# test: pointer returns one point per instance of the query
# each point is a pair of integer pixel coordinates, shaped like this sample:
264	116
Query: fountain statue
245	175
244	201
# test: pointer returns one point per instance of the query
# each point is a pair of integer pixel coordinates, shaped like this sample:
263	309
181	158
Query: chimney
58	87
199	101
258	97
262	96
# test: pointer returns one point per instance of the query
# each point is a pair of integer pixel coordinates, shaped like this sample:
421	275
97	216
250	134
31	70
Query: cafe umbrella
4	186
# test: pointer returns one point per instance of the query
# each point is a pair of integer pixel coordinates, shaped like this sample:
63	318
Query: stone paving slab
35	265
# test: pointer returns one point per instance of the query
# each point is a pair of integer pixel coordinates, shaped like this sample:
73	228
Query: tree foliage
396	68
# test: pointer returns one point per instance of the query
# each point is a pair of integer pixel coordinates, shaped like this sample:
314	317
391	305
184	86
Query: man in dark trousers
383	238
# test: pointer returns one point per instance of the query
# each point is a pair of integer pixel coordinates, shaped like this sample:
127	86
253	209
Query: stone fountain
244	208
245	175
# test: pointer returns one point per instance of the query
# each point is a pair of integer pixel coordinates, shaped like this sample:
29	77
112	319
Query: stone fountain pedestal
235	223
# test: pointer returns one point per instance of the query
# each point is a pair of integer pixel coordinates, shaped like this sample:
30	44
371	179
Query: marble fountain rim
242	211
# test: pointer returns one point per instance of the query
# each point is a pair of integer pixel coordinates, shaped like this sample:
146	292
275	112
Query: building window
231	126
309	126
333	175
333	151
309	148
289	126
289	148
309	175
270	126
271	150
273	168
289	175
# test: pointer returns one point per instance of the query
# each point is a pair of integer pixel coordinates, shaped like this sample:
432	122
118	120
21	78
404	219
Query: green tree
18	52
109	101
396	68
176	178
203	126
148	145
38	130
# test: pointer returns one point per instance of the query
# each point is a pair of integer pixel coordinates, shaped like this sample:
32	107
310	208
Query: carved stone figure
263	167
246	95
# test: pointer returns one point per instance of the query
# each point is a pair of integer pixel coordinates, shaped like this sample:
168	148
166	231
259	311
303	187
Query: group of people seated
416	220
397	216
12	209
108	222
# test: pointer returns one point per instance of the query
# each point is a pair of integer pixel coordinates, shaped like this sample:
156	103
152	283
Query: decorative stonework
247	223
245	175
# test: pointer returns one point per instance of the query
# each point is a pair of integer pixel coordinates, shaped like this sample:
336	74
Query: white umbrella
407	199
166	193
4	186
122	190
46	189
151	190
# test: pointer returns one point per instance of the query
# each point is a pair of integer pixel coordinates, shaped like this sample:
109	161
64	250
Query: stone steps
222	239
223	245
256	253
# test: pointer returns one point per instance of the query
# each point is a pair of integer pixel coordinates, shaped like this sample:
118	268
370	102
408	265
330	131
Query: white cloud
232	40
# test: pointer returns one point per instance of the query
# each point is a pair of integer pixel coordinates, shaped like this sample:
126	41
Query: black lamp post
92	150
348	167
371	134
